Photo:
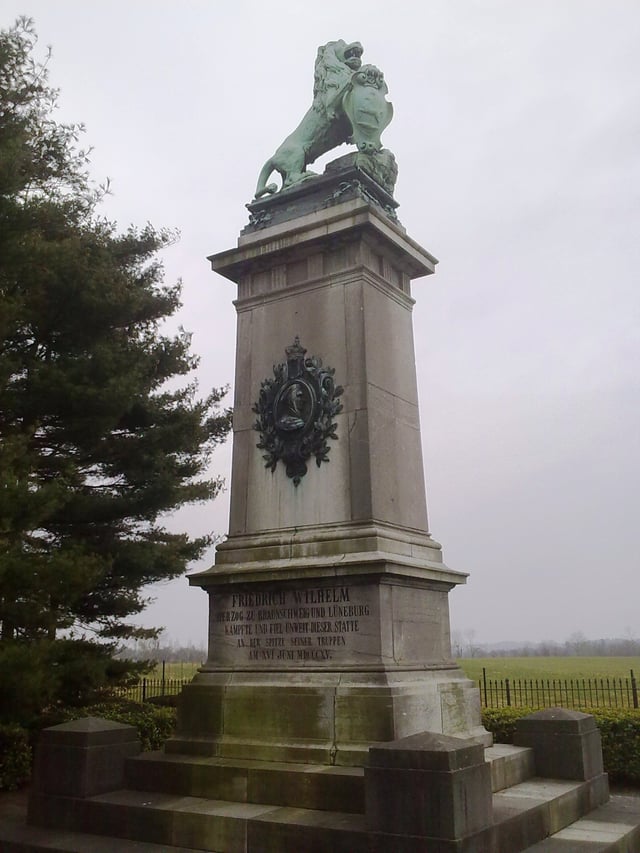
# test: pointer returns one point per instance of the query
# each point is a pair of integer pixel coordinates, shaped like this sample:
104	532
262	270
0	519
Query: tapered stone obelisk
329	616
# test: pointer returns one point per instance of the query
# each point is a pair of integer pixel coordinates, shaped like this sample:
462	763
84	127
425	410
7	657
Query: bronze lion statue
324	126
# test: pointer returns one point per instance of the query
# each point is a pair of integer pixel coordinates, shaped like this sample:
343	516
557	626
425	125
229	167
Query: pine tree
98	438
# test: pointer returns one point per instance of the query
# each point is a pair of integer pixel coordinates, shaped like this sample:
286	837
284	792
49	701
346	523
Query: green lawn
564	668
497	668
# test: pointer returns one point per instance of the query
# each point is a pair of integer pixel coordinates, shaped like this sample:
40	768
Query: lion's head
351	54
335	63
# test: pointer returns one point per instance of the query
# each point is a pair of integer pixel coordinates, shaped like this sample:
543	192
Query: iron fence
560	693
494	692
151	688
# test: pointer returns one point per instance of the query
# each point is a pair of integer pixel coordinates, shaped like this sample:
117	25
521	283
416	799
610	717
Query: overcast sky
517	135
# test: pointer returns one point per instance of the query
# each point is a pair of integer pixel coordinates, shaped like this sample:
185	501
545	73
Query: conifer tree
98	437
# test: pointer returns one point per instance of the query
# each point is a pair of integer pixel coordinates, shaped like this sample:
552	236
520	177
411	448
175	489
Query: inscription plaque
295	626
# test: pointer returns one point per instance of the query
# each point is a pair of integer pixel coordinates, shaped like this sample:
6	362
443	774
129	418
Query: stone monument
329	616
329	715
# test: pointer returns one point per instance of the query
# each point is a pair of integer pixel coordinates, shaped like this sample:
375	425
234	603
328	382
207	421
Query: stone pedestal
83	757
329	618
566	744
429	793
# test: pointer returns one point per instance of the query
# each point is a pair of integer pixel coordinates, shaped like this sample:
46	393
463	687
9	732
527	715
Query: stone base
370	177
427	793
430	786
83	757
566	743
350	650
323	718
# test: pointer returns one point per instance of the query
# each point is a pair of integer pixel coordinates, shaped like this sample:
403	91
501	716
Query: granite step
34	840
524	815
304	786
183	803
204	824
17	836
611	828
531	811
510	765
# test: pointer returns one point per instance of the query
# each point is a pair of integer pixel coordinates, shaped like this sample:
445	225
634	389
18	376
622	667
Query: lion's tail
265	173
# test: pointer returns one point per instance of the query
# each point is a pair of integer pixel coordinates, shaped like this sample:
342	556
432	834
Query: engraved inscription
296	625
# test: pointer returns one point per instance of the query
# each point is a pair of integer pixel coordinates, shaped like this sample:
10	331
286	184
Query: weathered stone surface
325	716
428	785
355	622
305	786
83	757
355	294
329	618
190	809
566	743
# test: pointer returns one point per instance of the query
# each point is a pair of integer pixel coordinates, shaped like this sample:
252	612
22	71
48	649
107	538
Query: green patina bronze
349	105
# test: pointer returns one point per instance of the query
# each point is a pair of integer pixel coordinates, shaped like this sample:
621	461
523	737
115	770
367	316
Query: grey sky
517	134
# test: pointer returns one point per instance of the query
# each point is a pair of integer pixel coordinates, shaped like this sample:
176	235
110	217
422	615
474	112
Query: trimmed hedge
154	723
501	722
619	730
15	757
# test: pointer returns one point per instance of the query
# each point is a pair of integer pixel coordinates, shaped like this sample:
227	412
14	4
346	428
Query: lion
324	125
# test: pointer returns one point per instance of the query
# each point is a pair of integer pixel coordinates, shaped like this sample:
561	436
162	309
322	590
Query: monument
329	616
329	716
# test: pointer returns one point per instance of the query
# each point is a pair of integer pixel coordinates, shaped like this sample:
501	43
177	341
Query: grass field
529	667
564	668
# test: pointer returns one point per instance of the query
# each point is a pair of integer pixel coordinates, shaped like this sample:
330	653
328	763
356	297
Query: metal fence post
506	682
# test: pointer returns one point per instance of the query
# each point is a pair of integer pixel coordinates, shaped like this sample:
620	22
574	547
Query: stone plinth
339	279
433	788
566	744
83	757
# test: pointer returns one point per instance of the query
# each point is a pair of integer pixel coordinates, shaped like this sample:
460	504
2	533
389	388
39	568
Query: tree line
158	650
464	645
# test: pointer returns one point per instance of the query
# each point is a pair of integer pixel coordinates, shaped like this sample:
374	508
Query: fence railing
494	692
562	693
150	688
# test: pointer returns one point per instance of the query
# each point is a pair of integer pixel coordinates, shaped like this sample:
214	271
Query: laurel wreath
296	450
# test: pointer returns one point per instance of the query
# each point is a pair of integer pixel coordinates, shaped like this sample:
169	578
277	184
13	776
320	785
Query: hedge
154	724
619	730
15	757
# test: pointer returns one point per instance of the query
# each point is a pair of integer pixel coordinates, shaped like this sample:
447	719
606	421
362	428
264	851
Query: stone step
34	840
530	811
205	824
612	828
510	765
17	836
304	786
524	815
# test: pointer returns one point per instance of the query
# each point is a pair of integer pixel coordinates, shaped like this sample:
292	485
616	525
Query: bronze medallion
295	412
